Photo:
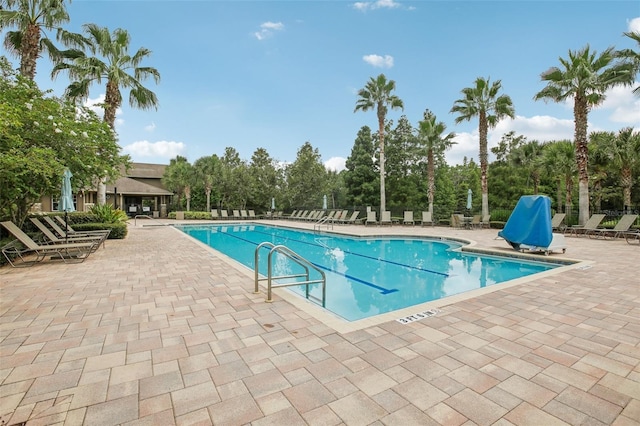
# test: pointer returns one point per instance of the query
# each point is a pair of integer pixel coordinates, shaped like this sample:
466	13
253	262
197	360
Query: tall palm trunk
626	179
383	199
112	101
431	179
580	112
30	51
483	129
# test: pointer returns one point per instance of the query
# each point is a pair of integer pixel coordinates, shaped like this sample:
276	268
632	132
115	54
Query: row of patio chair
235	214
340	217
592	228
477	221
67	245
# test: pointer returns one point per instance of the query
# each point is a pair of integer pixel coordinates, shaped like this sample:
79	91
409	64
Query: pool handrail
284	250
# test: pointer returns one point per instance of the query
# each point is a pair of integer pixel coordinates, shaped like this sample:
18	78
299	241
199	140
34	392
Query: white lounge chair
408	218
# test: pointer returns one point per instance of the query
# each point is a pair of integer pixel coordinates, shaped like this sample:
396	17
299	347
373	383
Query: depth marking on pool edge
418	316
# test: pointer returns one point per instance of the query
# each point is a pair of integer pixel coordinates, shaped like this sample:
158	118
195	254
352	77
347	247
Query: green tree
266	179
360	178
40	136
482	101
306	178
528	158
109	60
179	178
623	152
207	172
632	55
32	18
559	160
434	142
402	166
585	76
377	94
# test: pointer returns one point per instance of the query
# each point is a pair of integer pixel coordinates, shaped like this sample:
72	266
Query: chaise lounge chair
66	238
623	225
591	224
557	220
69	229
427	218
386	218
371	218
351	220
408	218
24	246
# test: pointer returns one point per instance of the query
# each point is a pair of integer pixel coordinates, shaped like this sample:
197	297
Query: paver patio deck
156	329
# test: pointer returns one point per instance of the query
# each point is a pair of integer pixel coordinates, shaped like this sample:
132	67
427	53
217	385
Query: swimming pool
368	276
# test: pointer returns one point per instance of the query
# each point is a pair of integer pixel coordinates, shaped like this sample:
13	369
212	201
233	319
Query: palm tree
623	152
32	18
585	77
632	55
178	177
112	63
559	159
377	94
528	157
430	134
207	170
482	100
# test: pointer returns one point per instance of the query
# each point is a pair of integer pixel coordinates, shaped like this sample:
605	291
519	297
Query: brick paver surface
157	329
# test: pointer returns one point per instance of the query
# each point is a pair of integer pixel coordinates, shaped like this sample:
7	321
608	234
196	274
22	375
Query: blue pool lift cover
529	223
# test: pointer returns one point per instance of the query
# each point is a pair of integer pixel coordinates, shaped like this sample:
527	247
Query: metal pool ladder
293	256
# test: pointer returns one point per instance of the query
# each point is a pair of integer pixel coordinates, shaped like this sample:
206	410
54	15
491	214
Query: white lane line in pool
418	316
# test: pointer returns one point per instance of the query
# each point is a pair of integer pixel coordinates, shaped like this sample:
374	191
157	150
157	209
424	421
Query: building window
55	201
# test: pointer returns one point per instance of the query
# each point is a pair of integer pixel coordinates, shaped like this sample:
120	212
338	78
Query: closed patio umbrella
469	199
324	202
66	197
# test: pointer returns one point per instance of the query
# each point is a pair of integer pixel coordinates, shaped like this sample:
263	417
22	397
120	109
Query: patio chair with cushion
591	224
623	225
24	246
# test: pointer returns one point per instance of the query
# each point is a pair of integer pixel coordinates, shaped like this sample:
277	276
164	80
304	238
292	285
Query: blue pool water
368	276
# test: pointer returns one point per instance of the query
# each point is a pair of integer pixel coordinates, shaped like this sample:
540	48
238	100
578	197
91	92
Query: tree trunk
580	112
431	180
483	129
383	200
208	191
30	51
626	179
101	197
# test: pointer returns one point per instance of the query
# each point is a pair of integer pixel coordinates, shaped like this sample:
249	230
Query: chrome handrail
295	257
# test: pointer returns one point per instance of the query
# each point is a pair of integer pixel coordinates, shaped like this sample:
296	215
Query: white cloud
335	163
96	105
151	127
540	127
378	61
379	4
634	25
624	104
164	149
267	29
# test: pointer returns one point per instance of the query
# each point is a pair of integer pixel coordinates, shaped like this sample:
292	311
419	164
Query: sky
276	74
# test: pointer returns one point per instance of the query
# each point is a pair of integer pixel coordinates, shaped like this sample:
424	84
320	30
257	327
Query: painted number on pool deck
420	315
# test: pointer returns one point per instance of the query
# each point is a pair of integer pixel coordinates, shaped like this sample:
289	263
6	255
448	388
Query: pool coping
342	325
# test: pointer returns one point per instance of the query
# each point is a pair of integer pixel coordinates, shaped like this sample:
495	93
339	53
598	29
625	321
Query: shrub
107	214
118	230
191	215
